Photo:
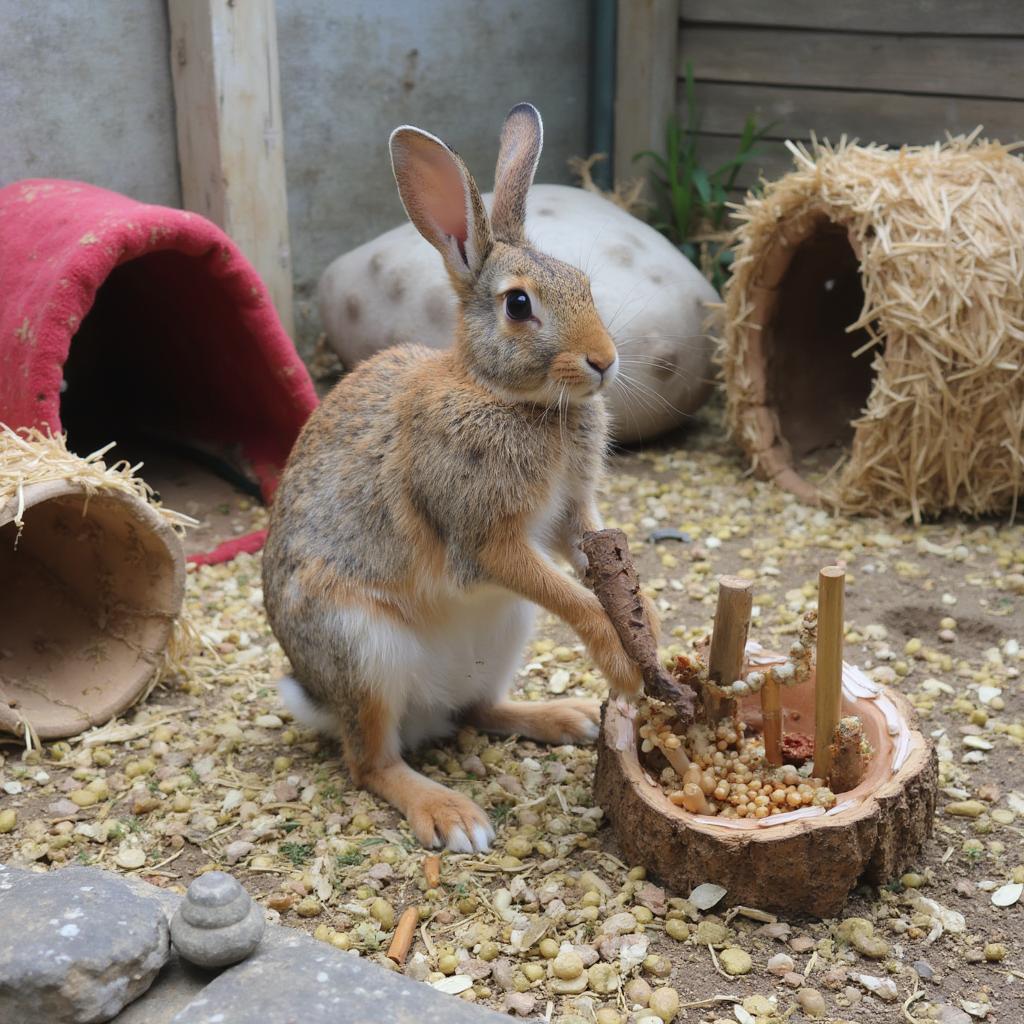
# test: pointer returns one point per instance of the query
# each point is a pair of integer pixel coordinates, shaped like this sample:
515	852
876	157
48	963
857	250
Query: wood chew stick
432	870
612	576
771	718
401	941
828	677
728	644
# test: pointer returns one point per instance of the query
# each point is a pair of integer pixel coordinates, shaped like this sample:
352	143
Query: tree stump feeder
802	861
875	316
93	581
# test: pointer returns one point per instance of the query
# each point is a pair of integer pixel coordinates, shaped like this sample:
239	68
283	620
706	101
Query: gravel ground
210	772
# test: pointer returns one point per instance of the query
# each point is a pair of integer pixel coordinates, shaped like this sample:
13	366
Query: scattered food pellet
735	960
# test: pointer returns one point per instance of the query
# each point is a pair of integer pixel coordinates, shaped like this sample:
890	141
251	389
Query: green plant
694	199
297	853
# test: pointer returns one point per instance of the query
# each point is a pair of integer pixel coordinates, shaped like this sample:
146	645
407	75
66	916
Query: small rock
78	945
653	897
925	971
587	954
520	1003
812	1002
781	964
884	988
216	923
802	943
835	978
793	979
995	951
619	924
945	1013
735	961
235	851
9	818
503	974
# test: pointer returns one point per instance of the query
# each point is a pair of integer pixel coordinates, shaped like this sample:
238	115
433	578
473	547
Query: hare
415	526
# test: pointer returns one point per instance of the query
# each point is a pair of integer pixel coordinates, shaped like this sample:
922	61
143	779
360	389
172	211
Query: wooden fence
891	71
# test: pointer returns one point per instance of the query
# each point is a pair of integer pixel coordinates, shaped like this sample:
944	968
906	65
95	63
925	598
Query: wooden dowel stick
771	716
432	870
728	643
828	680
401	942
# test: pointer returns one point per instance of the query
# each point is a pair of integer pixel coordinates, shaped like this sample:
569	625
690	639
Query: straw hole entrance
813	382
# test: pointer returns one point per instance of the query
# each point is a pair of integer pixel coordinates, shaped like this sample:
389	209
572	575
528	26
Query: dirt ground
210	772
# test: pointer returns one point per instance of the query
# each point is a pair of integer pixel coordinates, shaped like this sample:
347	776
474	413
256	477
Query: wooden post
646	76
728	643
771	718
230	136
828	684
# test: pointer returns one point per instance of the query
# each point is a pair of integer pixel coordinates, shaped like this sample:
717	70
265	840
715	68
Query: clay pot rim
123	692
866	797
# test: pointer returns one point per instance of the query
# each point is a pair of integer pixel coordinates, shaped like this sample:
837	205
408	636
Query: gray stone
76	945
653	300
217	923
300	979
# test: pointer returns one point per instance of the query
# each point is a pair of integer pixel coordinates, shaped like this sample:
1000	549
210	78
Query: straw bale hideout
874	325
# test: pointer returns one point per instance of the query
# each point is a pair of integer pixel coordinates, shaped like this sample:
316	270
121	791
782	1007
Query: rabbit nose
599	364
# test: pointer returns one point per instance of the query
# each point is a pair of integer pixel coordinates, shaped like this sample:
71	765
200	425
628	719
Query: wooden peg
728	644
828	684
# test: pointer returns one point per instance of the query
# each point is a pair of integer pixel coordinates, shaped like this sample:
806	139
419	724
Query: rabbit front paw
624	677
442	817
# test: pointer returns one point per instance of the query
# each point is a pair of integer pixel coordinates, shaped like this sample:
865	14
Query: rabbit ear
441	199
521	140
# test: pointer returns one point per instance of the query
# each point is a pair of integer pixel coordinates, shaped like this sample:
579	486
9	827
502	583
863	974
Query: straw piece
939	235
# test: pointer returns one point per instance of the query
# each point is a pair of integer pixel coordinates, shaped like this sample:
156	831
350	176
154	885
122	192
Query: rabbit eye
517	305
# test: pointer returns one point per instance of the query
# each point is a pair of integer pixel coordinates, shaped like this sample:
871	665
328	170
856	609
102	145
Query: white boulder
651	297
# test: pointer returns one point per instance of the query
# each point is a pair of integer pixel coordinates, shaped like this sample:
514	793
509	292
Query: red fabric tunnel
138	317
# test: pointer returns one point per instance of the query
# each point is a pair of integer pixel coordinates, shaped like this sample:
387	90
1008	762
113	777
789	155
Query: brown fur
430	483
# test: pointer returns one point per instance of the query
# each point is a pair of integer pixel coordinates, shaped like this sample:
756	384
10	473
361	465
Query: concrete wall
352	71
86	90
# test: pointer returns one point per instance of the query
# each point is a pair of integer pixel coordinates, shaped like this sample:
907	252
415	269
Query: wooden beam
915	17
937	65
230	135
645	79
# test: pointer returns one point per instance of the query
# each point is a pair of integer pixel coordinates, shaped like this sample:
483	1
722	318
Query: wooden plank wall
890	71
